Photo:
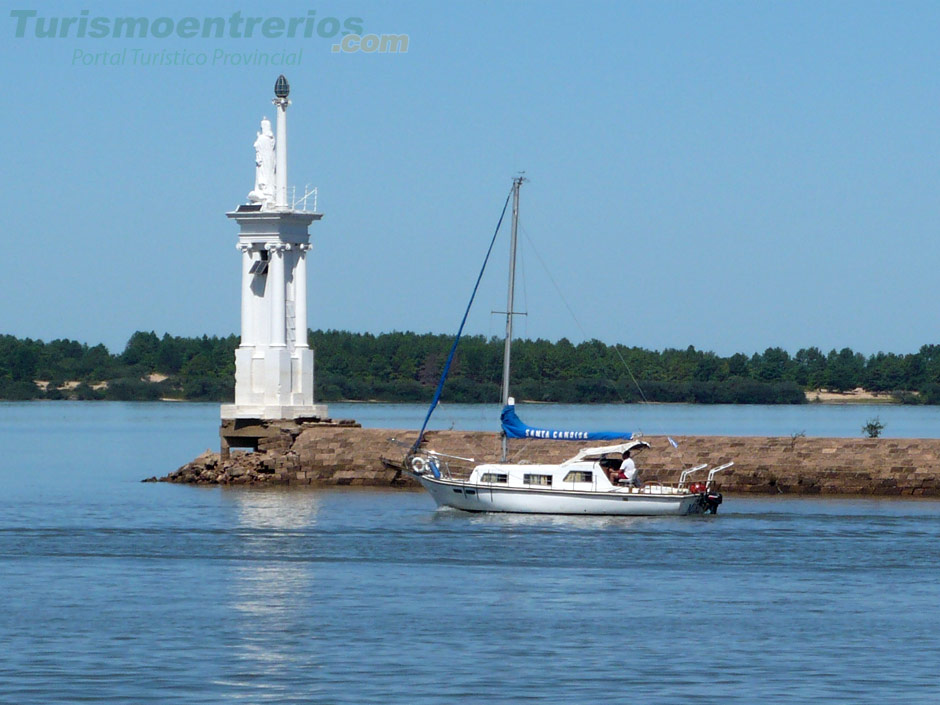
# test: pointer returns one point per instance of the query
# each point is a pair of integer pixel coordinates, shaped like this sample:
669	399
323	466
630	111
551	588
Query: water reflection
552	521
270	593
274	508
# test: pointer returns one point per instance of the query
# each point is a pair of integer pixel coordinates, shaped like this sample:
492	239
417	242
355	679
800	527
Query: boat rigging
585	484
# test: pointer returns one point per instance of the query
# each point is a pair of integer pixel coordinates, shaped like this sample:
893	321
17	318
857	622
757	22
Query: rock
208	459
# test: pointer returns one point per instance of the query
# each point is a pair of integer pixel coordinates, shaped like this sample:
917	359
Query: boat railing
452	457
444	462
715	471
658	487
686	473
683	478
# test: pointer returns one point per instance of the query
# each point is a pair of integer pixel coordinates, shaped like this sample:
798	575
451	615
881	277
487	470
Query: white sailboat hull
523	500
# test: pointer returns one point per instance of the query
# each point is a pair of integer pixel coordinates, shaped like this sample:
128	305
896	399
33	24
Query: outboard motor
712	500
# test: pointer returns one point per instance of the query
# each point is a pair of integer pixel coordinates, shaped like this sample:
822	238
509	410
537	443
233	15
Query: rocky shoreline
239	469
347	455
324	452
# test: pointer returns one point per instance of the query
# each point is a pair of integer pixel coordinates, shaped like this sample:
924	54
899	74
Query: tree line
407	366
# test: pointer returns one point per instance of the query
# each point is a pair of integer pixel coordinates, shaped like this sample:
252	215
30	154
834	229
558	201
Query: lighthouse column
300	297
280	173
244	392
276	282
248	334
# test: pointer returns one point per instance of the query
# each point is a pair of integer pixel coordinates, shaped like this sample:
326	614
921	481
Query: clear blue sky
730	175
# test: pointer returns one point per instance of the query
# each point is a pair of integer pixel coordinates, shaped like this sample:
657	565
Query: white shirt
628	468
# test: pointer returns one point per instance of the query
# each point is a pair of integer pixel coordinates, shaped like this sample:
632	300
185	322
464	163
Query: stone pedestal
274	367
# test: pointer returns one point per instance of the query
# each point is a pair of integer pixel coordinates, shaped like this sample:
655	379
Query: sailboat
587	483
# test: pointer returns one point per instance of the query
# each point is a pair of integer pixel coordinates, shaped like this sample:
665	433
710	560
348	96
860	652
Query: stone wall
343	455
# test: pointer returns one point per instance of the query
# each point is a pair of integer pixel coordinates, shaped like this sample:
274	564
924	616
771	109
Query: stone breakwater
349	455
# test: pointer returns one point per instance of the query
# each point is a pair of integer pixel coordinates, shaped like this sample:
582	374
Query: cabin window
579	476
532	479
494	477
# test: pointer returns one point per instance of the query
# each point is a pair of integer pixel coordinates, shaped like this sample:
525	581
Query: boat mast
516	183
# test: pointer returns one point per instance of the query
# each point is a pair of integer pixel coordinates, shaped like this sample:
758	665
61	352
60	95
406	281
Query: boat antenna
507	346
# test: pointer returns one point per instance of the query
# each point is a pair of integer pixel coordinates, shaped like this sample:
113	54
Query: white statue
264	166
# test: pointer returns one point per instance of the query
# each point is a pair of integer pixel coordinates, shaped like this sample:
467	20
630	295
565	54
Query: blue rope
453	348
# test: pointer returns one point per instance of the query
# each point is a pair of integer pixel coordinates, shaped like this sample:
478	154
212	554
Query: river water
117	591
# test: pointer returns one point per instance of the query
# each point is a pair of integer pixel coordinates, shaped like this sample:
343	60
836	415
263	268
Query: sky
728	175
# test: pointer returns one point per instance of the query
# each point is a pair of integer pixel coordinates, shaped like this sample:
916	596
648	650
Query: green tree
844	370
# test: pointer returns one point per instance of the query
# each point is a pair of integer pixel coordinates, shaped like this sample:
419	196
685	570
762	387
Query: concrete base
272	434
270	379
231	412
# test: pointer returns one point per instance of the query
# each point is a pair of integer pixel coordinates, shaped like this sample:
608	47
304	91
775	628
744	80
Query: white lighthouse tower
273	364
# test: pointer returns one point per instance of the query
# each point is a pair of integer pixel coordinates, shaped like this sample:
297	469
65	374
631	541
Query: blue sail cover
514	428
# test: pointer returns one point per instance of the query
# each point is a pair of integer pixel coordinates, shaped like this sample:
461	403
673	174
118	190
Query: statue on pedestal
263	192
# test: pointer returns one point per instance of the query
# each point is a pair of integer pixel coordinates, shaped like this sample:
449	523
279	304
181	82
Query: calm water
117	591
715	420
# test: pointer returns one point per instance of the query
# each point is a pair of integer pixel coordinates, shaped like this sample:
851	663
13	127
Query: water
117	591
829	420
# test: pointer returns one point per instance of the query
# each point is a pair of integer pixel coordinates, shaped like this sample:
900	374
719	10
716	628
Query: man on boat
629	475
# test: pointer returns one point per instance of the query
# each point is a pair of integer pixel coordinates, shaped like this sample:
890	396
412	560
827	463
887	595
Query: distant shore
405	367
815	396
853	396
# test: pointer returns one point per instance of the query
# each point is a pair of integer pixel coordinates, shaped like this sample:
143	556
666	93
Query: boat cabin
589	470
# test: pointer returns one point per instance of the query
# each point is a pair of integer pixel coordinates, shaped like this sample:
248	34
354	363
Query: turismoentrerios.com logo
349	32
